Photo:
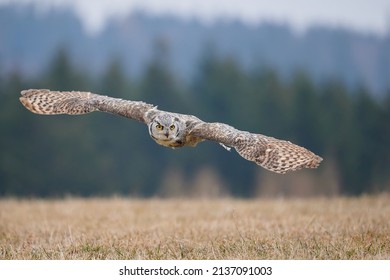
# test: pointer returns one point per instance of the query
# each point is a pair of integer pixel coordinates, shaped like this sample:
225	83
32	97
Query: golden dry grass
116	228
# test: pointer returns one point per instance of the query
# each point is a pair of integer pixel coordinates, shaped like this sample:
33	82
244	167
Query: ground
122	228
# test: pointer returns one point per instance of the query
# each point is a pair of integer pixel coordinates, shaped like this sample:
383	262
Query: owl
176	130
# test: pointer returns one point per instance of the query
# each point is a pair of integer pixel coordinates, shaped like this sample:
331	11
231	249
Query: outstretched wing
273	154
46	102
276	155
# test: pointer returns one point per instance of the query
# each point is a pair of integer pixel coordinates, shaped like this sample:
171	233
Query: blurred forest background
344	119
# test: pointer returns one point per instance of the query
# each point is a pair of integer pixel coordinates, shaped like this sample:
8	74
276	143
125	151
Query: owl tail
46	102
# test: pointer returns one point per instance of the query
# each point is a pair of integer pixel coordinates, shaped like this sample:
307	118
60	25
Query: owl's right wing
47	102
276	155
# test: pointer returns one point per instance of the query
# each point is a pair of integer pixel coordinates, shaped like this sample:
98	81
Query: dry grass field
117	228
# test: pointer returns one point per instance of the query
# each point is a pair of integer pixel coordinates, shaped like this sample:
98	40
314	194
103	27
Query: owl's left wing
276	155
47	102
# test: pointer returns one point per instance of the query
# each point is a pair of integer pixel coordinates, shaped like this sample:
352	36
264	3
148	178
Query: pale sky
361	15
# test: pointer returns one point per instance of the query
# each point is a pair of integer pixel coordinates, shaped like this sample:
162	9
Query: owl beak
166	133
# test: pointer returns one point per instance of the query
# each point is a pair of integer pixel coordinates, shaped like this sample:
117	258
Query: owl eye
159	126
172	127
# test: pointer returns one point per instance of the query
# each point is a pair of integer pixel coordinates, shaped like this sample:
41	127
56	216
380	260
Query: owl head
167	130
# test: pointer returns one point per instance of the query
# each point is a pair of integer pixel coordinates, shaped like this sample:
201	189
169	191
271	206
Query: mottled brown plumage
176	130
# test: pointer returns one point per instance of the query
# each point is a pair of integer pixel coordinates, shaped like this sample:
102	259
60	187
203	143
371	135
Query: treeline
101	154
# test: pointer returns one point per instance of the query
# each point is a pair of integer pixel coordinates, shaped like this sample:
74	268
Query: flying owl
176	130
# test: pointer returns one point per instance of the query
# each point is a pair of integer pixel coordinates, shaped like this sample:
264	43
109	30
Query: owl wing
47	102
273	154
276	155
